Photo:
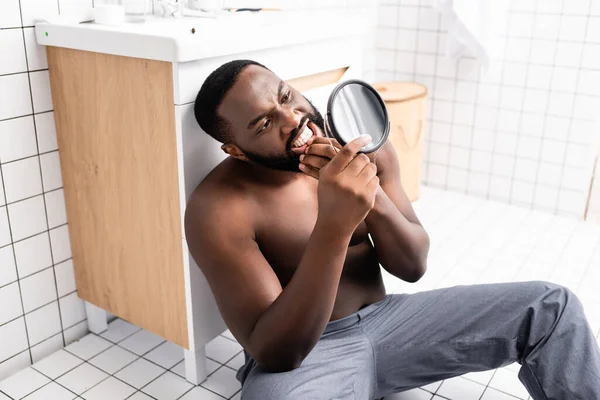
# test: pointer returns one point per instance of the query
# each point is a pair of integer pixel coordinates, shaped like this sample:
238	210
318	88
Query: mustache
295	131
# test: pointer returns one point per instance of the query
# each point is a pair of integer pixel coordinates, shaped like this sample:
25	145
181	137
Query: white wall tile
464	114
33	254
429	19
22	179
385	59
483	139
12	51
436	175
76	332
522	192
539	76
5	238
518	49
444	89
27	217
406	40
51	174
489	95
36	54
43	323
481	162
15	100
55	207
40	90
568	54
515	74
8	270
506	143
508	121
572	201
11	303
564	79
428	42
529	147
61	245
2	199
545	198
35	10
560	104
459	158
72	310
387	16
10	17
586	107
500	188
408	17
593	30
38	289
466	92
17	139
386	38
512	97
532	124
478	183
526	170
14	339
442	111
542	52
549	174
595	8
572	28
535	100
65	278
461	135
14	364
425	64
589	82
46	132
47	347
591	56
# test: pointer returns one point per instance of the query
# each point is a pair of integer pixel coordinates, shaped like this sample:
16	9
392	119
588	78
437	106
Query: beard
288	160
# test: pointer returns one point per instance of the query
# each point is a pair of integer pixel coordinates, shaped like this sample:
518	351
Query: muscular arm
399	238
277	327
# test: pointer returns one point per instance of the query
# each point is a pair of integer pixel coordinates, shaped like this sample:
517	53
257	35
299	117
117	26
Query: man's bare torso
283	217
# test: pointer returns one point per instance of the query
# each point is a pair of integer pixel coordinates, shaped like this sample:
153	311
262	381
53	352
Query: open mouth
303	137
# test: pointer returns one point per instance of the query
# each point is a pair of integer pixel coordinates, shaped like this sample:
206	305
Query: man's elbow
419	264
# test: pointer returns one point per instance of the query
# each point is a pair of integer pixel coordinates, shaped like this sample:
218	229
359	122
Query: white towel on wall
473	27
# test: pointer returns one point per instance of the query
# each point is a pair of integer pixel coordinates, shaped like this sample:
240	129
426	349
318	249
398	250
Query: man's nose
290	121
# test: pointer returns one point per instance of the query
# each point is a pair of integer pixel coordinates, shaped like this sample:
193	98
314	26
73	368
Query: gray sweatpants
406	341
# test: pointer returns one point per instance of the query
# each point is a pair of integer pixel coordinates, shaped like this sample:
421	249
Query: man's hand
318	154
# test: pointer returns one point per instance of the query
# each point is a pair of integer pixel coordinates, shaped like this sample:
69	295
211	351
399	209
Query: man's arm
401	242
399	238
277	327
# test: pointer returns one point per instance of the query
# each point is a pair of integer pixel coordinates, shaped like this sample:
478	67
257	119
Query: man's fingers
348	152
317	162
308	170
321	149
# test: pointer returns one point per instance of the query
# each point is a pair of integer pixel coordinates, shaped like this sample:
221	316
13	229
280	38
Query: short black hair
211	94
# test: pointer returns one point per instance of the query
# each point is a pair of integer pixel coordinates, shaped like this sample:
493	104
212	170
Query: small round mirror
355	108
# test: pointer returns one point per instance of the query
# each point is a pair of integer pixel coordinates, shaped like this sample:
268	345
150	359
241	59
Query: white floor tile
228	335
211	367
223	382
415	394
222	350
88	346
4	397
493	394
139	373
141	342
76	332
506	380
199	393
57	364
119	330
113	359
51	391
140	396
82	378
460	389
167	387
432	387
483	377
167	355
23	383
237	361
110	388
238	396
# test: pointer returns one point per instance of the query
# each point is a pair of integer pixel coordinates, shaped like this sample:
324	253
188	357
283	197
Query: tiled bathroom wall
39	308
523	131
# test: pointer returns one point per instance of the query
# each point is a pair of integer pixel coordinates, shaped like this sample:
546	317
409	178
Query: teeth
301	141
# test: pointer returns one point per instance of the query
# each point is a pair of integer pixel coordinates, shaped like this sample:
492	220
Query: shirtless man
280	230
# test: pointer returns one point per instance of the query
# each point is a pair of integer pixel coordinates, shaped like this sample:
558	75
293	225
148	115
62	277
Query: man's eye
286	97
264	125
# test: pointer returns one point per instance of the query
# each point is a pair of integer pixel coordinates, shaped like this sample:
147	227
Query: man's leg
430	336
339	367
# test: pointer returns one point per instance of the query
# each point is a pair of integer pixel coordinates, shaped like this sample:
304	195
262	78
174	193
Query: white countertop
171	39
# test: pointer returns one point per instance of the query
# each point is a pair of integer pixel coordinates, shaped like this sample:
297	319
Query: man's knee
559	298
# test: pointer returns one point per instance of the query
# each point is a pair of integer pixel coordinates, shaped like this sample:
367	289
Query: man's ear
234	151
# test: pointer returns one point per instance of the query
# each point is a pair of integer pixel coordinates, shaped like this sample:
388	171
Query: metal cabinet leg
97	318
195	365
